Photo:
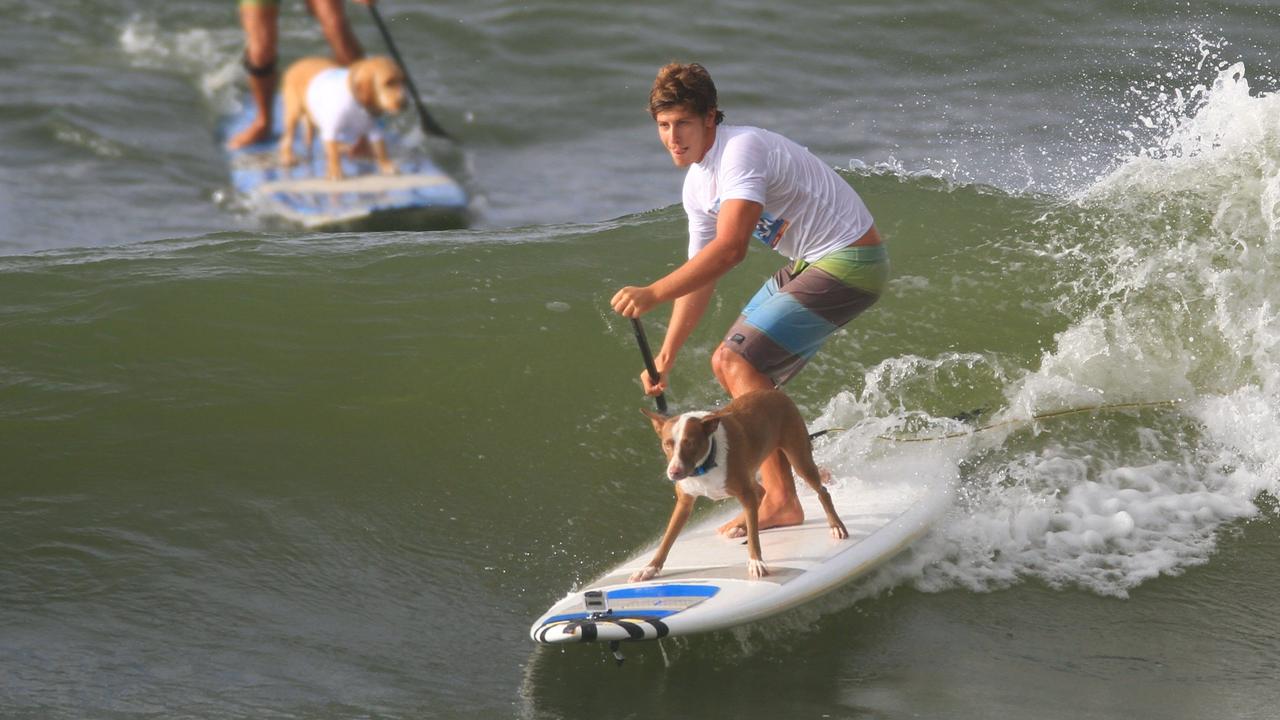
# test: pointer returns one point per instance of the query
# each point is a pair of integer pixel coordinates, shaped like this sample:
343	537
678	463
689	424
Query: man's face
686	134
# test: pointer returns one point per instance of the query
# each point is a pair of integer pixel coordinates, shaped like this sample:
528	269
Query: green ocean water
248	471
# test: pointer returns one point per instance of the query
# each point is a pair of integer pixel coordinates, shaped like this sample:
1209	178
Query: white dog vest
335	111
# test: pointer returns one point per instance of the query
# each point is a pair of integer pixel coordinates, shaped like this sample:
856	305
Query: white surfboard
704	585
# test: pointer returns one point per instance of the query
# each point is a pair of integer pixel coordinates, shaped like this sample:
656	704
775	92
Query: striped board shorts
797	309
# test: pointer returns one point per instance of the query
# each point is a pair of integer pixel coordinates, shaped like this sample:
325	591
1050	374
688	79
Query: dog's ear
710	423
362	83
657	420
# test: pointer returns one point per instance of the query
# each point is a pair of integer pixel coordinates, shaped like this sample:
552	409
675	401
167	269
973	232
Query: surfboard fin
615	647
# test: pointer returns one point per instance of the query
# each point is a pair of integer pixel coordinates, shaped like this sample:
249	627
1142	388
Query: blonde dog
342	102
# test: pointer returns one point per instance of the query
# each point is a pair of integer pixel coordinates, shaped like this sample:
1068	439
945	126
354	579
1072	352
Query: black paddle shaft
649	365
429	124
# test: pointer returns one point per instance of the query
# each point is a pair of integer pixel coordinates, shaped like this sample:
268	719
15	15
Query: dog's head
378	84
686	440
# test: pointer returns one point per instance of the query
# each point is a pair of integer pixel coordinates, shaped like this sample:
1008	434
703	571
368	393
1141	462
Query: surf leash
973	415
1038	417
649	365
429	125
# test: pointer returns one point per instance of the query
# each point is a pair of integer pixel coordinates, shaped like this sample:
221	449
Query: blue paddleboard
420	196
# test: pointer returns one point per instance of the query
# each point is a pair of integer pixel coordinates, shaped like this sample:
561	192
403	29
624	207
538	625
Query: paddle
649	365
429	125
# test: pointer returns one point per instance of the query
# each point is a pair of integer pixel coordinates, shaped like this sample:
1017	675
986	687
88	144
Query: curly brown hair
684	85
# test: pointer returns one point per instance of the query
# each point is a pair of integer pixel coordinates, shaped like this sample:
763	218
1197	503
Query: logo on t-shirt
769	230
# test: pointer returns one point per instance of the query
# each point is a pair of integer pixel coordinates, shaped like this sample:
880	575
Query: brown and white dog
372	86
717	454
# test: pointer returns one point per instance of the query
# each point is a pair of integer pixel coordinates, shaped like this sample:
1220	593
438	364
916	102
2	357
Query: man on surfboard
745	182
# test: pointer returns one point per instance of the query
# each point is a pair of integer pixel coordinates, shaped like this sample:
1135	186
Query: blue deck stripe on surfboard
672	590
645	592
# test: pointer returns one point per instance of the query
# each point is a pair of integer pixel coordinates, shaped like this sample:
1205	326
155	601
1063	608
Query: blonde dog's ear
362	83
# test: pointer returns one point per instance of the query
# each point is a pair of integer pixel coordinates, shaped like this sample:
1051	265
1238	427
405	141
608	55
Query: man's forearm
733	231
702	270
685	314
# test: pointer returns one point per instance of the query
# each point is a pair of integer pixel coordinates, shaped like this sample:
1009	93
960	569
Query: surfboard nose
600	630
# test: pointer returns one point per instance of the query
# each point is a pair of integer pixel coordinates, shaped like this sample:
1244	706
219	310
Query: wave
1168	276
1154	283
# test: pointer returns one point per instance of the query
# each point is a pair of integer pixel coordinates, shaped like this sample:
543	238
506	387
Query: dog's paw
839	531
389	169
825	476
756	569
645	573
733	530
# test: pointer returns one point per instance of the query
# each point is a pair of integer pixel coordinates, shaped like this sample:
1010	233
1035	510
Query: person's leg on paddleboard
779	330
337	30
260	21
780	506
346	47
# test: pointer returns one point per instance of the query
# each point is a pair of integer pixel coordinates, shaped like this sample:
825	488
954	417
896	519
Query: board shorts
803	304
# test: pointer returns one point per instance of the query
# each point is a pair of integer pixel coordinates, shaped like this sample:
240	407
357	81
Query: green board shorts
803	304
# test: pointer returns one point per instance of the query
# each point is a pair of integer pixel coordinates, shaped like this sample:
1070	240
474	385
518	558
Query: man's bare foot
258	131
770	517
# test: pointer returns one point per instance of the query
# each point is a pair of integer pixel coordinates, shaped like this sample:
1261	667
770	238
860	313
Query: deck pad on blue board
420	195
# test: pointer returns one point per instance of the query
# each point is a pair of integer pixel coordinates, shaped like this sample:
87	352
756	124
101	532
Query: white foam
1171	277
211	55
1196	252
1069	522
1220	146
1091	513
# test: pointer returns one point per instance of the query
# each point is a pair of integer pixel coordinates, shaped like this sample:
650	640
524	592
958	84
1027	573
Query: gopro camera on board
595	601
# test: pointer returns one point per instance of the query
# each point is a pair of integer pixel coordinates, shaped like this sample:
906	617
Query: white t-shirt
809	210
335	111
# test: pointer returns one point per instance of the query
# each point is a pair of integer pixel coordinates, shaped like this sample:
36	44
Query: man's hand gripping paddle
649	365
